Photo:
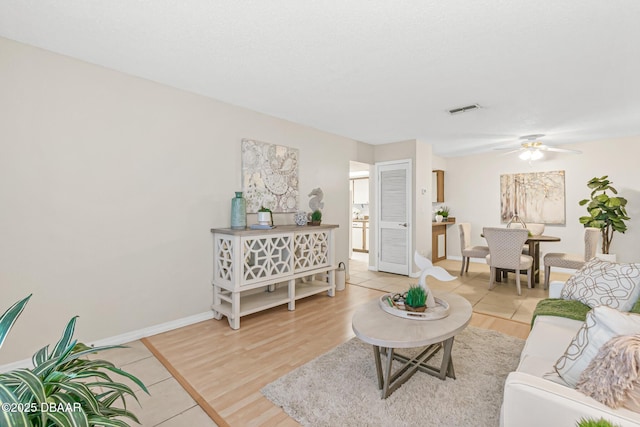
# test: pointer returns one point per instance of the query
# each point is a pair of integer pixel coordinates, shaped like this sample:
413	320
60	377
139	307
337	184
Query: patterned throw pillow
601	282
602	324
613	375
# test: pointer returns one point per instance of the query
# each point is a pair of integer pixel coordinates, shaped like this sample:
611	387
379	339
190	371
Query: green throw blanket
568	308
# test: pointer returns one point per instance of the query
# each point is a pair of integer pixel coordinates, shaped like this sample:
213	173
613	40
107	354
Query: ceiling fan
531	149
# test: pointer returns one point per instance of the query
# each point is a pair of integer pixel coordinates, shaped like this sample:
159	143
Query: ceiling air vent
464	109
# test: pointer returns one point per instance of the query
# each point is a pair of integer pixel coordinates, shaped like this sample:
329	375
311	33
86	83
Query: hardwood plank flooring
225	368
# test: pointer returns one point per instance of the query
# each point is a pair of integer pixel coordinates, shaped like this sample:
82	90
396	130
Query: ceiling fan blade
511	151
559	150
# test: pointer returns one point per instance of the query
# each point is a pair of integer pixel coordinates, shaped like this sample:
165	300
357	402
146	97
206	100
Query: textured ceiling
375	71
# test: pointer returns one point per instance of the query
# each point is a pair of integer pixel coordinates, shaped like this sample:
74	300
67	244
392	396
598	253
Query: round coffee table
387	333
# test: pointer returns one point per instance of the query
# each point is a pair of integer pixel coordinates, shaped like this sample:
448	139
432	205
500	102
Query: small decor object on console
265	216
301	218
238	212
316	202
316	217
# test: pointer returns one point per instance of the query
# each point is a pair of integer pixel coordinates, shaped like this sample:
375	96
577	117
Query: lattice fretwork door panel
265	257
311	250
224	260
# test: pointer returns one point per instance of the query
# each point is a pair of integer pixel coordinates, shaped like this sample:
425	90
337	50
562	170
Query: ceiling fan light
537	155
525	155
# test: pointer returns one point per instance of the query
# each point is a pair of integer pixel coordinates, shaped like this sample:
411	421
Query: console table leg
291	285
332	282
234	320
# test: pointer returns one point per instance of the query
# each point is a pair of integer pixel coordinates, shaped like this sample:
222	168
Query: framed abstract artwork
269	176
536	197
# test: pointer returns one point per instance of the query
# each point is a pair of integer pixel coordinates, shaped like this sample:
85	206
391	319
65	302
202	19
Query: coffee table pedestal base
388	382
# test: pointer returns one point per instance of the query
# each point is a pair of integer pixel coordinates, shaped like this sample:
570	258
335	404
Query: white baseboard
126	337
20	364
154	330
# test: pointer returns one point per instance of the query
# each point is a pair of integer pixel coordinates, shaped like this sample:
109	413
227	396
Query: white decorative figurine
316	202
427	269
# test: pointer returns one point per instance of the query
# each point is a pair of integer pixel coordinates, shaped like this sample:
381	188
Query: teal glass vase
238	212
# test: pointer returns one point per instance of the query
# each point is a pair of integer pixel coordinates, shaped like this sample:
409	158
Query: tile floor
502	301
168	404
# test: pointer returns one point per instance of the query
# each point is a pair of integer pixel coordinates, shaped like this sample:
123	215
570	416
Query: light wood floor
224	369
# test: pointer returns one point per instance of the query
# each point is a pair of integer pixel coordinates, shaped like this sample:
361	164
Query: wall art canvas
269	176
536	197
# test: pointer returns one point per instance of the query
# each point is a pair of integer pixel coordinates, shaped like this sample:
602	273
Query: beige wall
472	189
110	185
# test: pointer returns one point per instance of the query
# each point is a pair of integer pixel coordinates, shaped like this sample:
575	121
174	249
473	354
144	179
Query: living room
113	181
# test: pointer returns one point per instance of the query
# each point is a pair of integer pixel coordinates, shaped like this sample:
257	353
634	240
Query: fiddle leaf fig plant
606	212
64	388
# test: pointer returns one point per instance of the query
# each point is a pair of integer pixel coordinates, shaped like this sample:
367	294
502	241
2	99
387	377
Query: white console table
254	270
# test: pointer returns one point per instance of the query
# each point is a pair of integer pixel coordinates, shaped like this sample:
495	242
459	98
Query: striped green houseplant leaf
64	388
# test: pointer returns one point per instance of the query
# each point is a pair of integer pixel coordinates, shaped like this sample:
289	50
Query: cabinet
360	191
437	186
439	240
254	270
366	236
360	235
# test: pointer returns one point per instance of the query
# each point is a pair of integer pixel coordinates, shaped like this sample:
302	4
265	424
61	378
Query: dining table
534	252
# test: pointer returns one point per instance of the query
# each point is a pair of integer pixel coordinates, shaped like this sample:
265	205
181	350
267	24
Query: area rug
340	388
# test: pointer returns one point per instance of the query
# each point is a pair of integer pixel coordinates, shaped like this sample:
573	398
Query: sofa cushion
549	338
602	324
601	282
613	375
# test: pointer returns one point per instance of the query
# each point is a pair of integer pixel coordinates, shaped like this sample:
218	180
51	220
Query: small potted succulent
265	216
416	299
444	212
316	217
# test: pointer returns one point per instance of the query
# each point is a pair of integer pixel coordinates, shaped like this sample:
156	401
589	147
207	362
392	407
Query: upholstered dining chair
505	252
536	229
468	251
568	260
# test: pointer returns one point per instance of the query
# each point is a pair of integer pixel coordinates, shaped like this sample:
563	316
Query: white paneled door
394	213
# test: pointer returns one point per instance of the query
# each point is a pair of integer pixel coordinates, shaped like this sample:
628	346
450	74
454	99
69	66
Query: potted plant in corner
608	213
316	217
416	299
64	388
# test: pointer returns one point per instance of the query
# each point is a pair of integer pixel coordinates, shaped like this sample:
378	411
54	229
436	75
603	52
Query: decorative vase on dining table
238	212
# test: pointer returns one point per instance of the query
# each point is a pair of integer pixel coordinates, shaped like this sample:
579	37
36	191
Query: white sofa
532	398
